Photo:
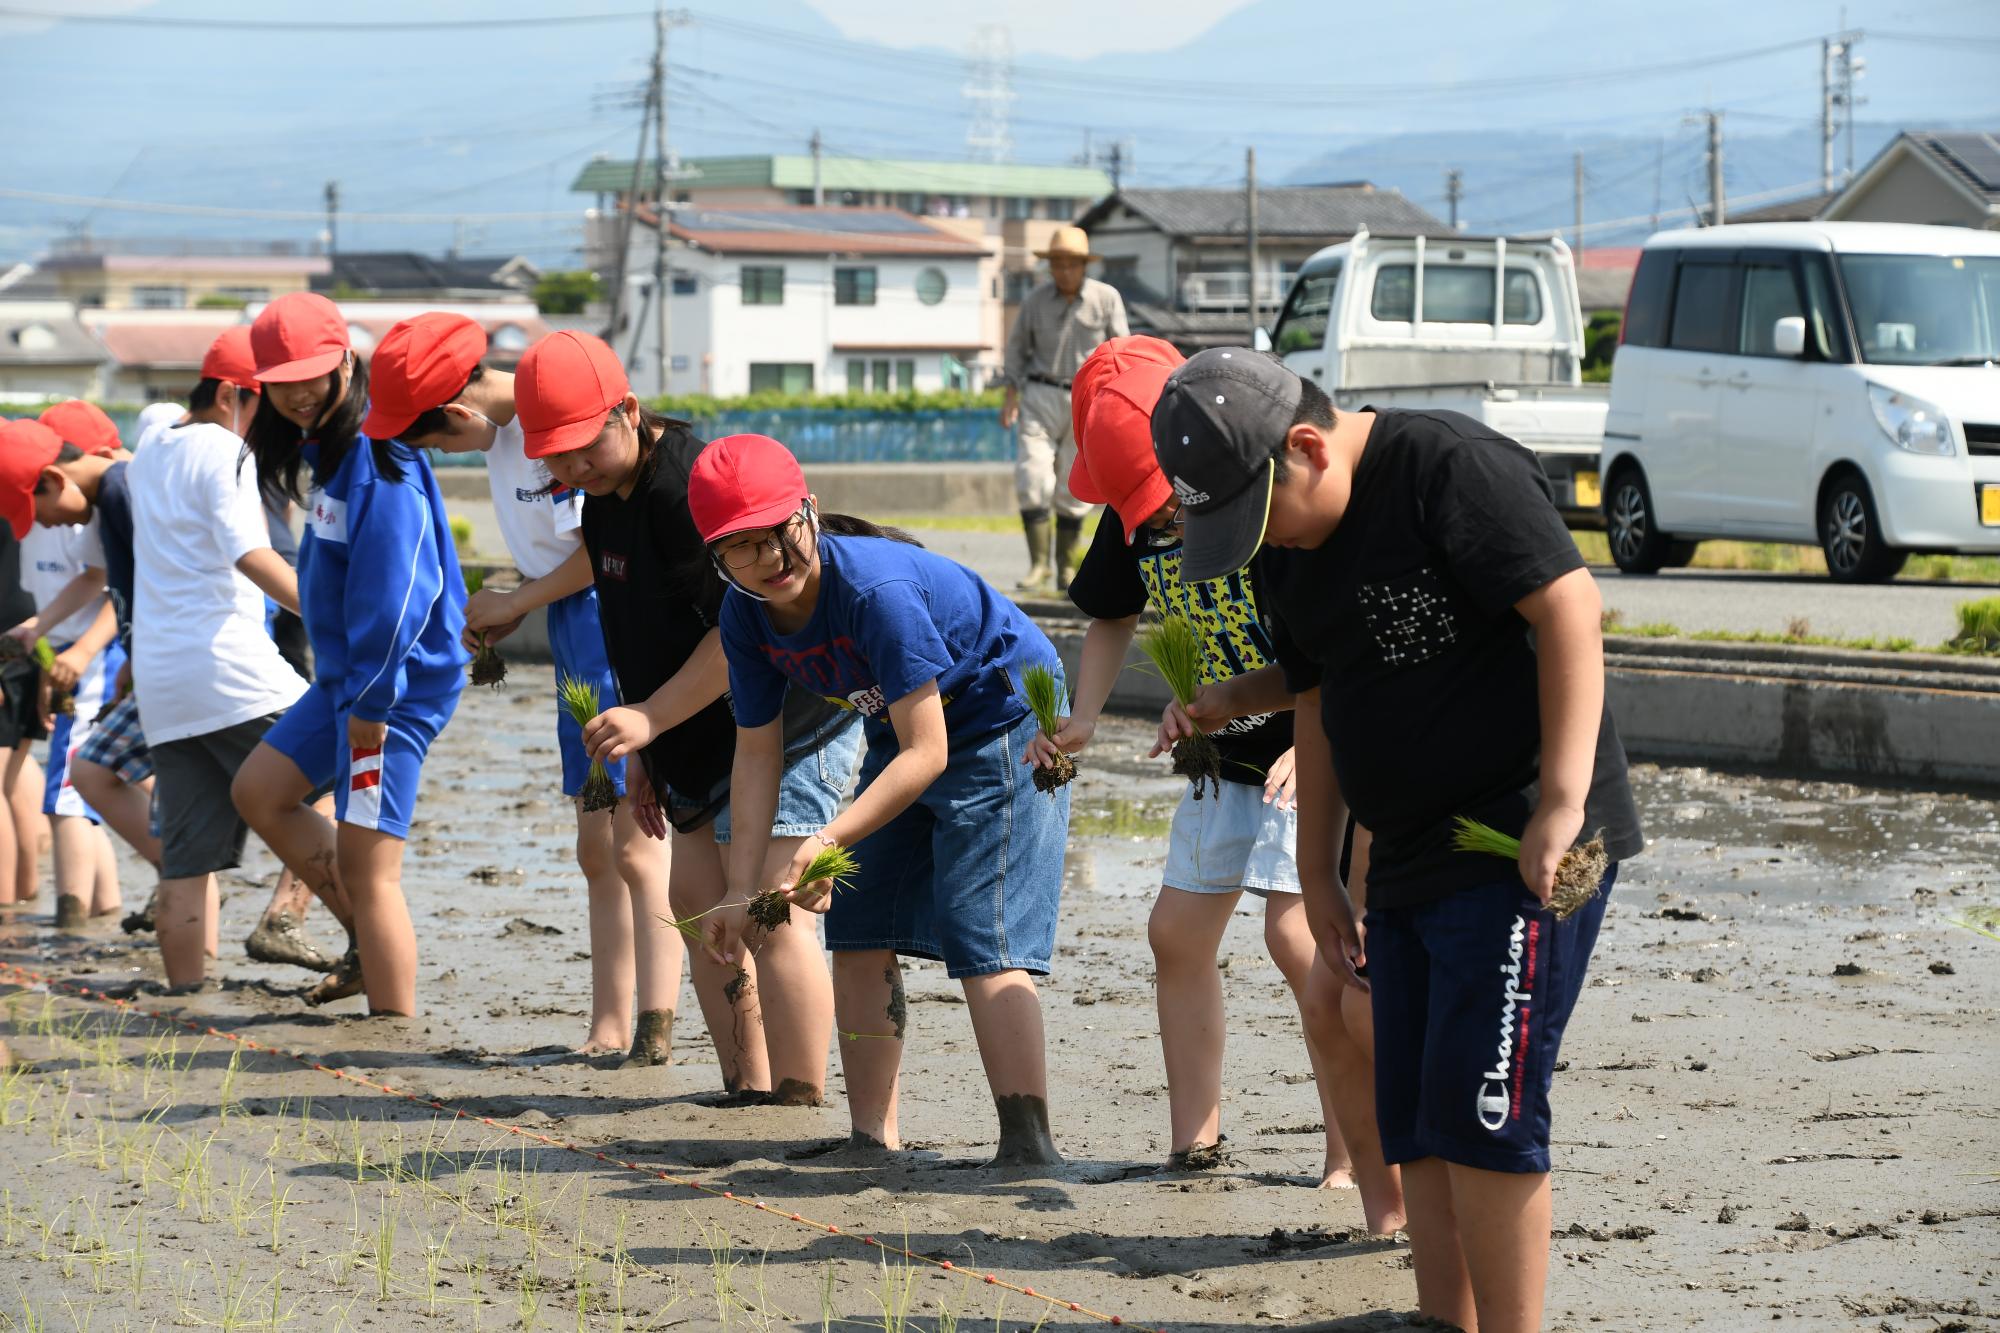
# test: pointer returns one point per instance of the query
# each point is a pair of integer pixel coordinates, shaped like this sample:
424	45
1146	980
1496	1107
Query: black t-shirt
1404	620
658	597
114	534
1116	580
16	602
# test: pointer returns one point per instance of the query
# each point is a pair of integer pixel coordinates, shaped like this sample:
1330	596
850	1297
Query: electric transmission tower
989	86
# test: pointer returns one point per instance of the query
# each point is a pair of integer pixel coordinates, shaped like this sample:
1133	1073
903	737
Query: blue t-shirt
114	533
890	616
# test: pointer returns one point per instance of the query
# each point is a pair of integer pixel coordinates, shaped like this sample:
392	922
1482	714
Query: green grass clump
1044	694
461	532
580	699
1579	874
1978	627
1174	647
1980	920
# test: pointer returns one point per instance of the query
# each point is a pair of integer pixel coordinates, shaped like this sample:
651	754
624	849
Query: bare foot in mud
857	1149
599	1046
1202	1157
343	981
71	913
652	1040
280	939
1337	1177
1024	1133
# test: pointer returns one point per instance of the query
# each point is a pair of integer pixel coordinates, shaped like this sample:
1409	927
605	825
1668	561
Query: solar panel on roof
1979	154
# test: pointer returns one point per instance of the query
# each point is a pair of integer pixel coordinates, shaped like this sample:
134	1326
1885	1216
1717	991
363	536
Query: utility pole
819	190
1826	49
662	295
1117	159
332	210
1454	190
623	258
1250	233
1716	212
1851	67
1659	169
1576	245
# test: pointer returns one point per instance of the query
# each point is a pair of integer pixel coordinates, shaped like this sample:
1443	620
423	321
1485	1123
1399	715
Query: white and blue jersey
384	608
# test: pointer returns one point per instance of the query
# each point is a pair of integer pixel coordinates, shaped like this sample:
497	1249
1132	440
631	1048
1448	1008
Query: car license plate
1989	506
1589	497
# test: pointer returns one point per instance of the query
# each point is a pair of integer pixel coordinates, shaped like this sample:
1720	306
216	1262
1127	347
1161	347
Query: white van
1828	382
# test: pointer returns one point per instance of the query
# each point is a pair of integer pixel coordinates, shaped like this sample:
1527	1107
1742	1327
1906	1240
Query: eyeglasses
781	543
1167	534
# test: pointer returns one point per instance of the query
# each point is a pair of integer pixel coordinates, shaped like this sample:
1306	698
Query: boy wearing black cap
1415	552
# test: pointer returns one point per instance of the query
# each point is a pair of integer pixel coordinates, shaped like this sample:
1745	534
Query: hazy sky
1041	27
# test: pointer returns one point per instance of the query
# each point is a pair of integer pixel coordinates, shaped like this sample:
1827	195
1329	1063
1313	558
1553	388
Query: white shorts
1232	841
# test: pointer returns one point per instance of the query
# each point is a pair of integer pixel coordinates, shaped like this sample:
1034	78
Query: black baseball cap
1214	429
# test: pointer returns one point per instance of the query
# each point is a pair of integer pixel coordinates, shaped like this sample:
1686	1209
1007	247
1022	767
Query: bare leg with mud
797	997
1185	930
77	864
371	871
1288	939
10	860
867	995
1346	1070
270	793
184	917
1007	1021
646	866
126	806
735	1025
33	837
610	909
105	899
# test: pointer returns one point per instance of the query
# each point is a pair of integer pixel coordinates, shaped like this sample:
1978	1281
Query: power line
319	25
266	214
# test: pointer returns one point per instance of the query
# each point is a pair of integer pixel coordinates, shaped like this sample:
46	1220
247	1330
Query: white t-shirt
155	420
50	558
201	660
542	528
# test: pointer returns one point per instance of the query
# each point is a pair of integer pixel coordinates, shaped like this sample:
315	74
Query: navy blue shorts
1470	997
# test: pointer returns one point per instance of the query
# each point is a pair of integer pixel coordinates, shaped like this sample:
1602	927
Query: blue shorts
1231	842
73	731
377	788
971	873
576	641
1471	994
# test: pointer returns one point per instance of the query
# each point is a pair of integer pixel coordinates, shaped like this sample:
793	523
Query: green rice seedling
1978	627
580	698
461	532
488	667
1579	874
1981	921
60	700
1175	649
835	866
1046	701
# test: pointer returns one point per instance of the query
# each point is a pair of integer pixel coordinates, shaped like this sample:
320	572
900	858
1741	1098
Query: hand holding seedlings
617	732
488	667
580	699
54	670
1044	693
830	869
1577	874
1174	645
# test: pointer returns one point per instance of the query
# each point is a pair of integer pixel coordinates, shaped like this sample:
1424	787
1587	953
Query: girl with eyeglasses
383	605
1241	837
659	598
961	858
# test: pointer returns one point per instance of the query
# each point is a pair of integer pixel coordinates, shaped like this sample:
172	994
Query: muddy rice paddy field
1779	1106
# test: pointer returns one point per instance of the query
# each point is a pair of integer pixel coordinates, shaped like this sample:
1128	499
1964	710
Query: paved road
1691	599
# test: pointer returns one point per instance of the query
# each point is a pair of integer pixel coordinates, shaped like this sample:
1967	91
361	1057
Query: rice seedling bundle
488	667
580	699
1045	700
1175	649
1579	874
60	700
771	909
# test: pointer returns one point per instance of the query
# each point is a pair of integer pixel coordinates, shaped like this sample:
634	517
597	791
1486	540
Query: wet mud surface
1778	1104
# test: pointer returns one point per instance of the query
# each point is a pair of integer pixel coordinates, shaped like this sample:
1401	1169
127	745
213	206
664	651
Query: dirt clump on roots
1579	875
768	910
1052	777
599	792
1197	760
488	667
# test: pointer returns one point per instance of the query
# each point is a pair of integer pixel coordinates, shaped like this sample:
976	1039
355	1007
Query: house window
857	375
914	203
854	286
245	295
881	369
932	285
1020	209
953	373
685	284
160	297
781	377
763	284
1061	210
906	376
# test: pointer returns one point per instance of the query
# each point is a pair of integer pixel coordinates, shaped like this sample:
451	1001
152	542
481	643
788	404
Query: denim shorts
1231	841
815	778
1471	994
971	873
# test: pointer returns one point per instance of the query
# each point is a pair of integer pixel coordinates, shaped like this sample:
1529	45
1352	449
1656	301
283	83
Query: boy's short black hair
1315	409
202	396
436	420
69	453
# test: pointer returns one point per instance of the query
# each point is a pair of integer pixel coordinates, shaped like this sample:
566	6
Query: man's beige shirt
1052	336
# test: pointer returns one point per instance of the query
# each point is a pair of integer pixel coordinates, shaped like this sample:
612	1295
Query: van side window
1652	295
1302	324
1770	294
1705	307
1826	335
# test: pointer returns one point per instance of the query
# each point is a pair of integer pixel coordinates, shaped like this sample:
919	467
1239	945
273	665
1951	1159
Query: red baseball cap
299	336
564	387
422	363
230	359
26	447
83	425
741	482
1111	412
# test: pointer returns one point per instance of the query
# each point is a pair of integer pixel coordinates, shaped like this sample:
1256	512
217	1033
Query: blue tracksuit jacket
379	583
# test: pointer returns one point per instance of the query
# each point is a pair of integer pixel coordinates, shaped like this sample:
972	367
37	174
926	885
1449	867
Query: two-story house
804	300
1180	258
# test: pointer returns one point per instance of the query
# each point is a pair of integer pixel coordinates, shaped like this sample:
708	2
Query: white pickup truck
1486	326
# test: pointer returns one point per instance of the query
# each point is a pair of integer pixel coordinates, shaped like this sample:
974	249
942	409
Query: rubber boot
1035	525
1069	550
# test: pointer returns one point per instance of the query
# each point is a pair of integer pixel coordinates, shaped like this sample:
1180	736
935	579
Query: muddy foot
343	981
1200	1156
735	1099
1337	1178
856	1149
653	1041
141	921
797	1092
279	939
1024	1132
71	912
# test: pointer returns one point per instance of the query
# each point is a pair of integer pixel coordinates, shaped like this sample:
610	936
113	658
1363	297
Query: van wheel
1681	554
1851	535
1637	544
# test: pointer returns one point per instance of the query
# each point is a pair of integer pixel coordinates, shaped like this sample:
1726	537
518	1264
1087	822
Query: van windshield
1924	310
